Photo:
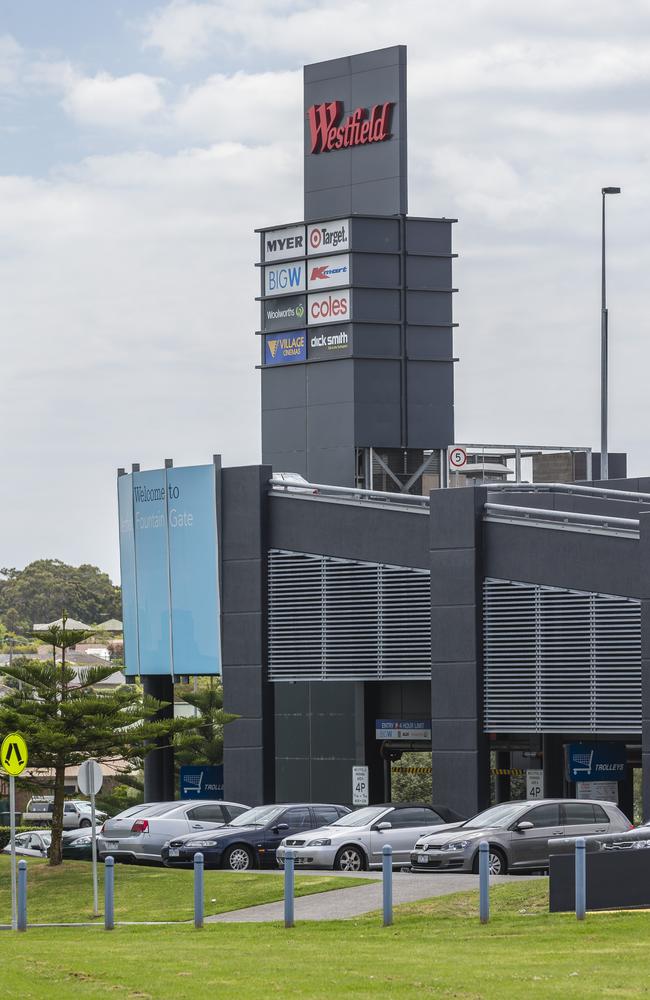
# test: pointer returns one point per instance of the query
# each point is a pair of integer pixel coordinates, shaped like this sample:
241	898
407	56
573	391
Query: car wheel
497	862
238	858
84	823
350	859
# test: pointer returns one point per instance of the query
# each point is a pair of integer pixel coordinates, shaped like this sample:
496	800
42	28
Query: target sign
457	458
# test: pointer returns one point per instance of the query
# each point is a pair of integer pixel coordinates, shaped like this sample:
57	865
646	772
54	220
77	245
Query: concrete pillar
502	792
644	565
553	763
159	783
460	753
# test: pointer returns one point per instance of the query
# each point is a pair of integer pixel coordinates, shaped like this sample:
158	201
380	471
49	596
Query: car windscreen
40	807
361	817
259	816
500	816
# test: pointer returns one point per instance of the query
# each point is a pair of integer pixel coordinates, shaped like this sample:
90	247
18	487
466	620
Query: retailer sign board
282	349
323	237
328	272
327	342
285	279
281	244
169	570
329	307
280	314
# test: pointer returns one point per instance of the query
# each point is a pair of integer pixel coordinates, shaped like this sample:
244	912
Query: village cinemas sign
329	131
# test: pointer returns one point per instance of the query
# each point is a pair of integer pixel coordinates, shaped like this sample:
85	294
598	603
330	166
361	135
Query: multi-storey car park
498	628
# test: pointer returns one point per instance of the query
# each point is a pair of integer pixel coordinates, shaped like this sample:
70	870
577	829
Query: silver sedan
517	833
139	833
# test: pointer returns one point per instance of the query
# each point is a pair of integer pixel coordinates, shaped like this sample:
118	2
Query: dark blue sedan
250	840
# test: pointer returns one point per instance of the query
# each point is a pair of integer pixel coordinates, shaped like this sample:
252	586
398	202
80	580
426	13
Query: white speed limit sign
457	457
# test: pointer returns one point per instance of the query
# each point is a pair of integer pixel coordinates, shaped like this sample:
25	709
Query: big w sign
329	131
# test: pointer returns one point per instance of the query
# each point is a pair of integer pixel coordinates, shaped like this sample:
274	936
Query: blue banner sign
595	761
201	781
283	348
403	729
169	571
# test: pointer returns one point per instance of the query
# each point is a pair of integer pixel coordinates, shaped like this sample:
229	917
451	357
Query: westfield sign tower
356	351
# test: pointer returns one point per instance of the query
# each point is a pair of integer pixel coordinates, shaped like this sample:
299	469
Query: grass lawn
435	949
66	893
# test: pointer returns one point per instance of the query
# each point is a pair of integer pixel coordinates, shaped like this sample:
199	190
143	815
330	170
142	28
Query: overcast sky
142	142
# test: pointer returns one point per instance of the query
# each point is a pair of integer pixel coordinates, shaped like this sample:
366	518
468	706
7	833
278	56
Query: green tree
66	720
411	778
204	744
38	592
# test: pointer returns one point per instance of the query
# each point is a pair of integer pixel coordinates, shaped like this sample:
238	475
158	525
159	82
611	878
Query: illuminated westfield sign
329	131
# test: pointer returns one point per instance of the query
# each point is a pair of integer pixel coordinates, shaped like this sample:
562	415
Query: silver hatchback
139	833
518	835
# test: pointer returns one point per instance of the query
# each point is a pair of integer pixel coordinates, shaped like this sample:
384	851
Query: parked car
77	845
356	841
76	812
31	844
251	840
518	834
139	833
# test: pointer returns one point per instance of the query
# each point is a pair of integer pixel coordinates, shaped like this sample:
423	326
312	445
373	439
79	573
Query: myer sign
280	244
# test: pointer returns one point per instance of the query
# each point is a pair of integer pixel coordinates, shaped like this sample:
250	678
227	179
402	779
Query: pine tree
204	745
65	719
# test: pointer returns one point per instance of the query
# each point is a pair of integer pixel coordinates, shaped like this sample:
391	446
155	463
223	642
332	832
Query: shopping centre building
362	606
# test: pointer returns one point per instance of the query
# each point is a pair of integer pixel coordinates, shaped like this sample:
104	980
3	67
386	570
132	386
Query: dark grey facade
365	179
300	738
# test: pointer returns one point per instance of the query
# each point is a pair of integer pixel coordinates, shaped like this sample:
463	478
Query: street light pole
604	457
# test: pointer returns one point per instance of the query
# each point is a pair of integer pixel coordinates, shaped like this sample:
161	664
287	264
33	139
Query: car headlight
323	842
458	845
82	842
202	843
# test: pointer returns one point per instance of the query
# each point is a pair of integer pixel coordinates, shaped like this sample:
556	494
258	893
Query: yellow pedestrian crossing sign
13	754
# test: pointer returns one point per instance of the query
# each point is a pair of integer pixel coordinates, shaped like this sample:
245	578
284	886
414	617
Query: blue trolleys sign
595	761
201	781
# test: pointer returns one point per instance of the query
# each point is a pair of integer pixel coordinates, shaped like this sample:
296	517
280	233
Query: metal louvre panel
560	660
335	619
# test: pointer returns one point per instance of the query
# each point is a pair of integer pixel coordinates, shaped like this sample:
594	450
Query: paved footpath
353	902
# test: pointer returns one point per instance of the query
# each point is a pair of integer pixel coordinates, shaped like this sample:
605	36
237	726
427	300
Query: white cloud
113	102
11	55
239	107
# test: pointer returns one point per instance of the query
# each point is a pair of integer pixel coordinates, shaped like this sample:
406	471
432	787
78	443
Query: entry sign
360	786
90	778
13	754
457	458
534	783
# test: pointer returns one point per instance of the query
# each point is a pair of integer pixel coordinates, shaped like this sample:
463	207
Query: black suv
250	841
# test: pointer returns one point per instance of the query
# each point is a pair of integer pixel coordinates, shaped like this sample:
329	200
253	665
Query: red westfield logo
328	131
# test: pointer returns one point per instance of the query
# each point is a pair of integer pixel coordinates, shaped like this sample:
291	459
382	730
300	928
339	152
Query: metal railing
562	519
570	489
349	493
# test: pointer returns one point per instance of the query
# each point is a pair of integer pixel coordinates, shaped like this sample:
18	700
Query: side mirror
524	825
281	827
383	826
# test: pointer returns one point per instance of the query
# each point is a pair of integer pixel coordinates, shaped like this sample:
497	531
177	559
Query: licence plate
112	845
174	852
423	859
